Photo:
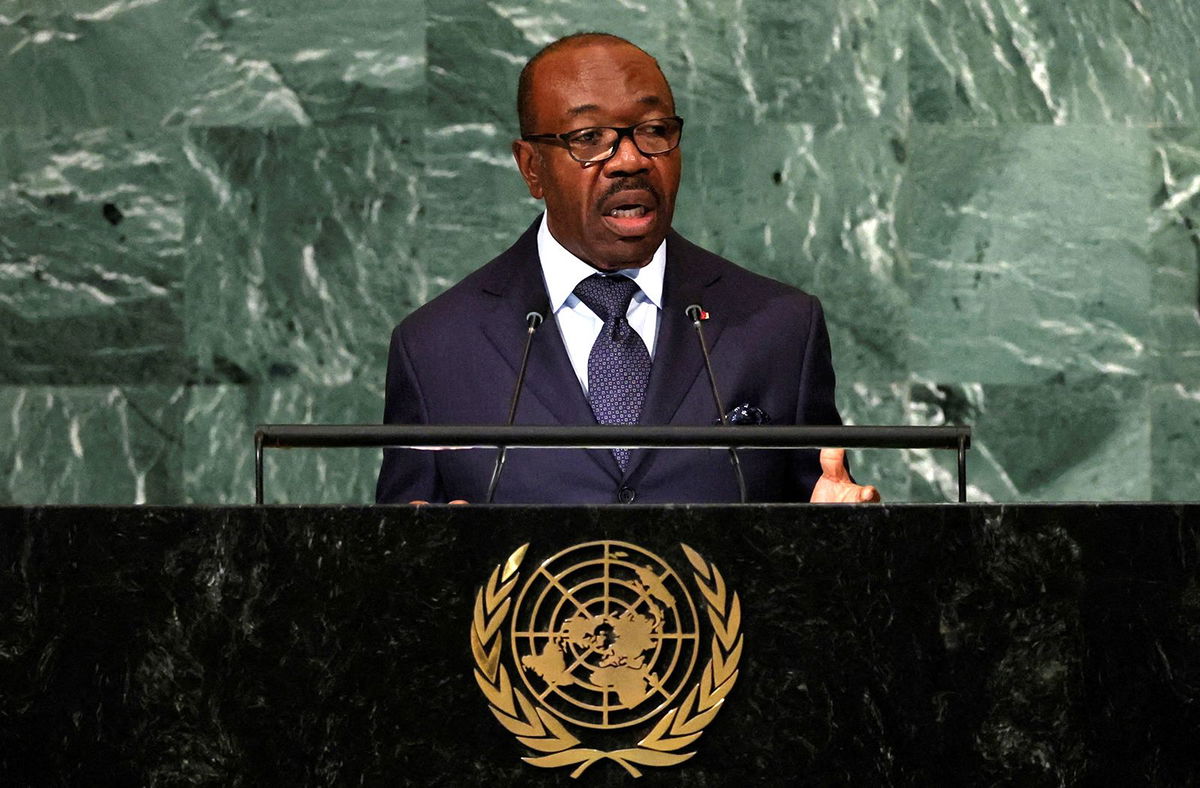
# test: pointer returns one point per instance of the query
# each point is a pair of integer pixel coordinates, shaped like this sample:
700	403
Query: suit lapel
677	357
519	289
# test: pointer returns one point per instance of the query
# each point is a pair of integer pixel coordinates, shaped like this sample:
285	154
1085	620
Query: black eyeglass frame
622	132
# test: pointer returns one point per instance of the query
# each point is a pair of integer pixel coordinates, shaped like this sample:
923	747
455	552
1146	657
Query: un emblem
604	635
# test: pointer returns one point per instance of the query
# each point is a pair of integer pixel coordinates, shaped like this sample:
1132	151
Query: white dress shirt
577	323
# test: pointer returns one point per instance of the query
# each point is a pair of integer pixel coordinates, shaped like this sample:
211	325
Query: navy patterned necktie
619	365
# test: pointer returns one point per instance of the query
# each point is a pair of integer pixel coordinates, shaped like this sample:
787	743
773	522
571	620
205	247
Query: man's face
612	214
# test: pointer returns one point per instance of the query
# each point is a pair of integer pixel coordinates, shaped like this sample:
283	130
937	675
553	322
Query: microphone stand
532	321
695	313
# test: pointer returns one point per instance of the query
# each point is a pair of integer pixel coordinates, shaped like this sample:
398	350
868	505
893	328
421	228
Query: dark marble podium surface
955	644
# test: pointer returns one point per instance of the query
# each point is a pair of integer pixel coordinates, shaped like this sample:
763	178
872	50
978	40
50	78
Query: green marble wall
213	211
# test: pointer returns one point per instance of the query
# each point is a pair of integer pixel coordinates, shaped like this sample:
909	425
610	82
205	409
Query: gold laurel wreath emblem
539	730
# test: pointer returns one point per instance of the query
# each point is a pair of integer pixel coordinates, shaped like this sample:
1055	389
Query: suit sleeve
815	404
406	474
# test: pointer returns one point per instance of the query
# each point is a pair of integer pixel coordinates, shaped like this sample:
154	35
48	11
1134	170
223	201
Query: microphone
696	313
532	321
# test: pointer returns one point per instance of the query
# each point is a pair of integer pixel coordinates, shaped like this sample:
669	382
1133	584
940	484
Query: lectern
694	645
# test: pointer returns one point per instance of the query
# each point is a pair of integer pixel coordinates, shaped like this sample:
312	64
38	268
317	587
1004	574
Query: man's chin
634	252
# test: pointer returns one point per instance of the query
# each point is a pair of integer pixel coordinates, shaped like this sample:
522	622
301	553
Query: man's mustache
629	184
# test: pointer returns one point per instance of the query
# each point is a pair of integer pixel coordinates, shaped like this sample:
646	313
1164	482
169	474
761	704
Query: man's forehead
649	101
591	77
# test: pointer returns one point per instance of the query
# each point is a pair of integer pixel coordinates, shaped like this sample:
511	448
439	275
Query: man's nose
627	159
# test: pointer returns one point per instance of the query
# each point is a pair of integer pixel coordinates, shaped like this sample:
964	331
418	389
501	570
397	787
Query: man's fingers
869	494
457	502
833	464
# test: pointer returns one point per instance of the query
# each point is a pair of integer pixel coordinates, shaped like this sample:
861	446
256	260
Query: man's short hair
525	82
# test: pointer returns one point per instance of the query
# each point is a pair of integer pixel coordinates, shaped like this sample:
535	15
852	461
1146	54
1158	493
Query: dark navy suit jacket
455	361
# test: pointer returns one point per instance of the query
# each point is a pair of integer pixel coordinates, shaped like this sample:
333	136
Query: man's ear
527	162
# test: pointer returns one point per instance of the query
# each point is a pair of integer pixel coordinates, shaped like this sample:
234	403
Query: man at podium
614	283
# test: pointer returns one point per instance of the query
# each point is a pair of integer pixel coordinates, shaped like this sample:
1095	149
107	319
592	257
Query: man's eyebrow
582	109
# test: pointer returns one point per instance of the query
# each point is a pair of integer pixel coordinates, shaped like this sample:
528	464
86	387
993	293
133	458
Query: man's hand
835	484
455	502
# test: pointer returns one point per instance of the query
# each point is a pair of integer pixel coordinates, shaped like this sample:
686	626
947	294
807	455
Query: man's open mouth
630	213
630	221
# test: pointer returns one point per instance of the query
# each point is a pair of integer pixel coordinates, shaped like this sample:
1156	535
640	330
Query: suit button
626	495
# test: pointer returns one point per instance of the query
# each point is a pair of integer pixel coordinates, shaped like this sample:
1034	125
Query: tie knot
607	296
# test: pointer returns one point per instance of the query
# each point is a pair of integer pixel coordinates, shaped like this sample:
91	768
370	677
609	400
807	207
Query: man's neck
562	270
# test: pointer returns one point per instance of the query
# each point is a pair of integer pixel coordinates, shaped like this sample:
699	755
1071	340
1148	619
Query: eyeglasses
599	143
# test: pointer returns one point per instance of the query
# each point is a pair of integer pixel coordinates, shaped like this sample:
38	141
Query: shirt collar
562	270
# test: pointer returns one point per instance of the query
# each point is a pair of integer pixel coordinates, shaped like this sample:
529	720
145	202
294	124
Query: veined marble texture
1027	251
93	444
213	211
219	426
1126	62
1175	312
90	257
84	63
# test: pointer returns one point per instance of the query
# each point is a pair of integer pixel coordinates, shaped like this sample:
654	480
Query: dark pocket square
747	414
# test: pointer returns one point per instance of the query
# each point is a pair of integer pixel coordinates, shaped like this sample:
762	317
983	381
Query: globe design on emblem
605	634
